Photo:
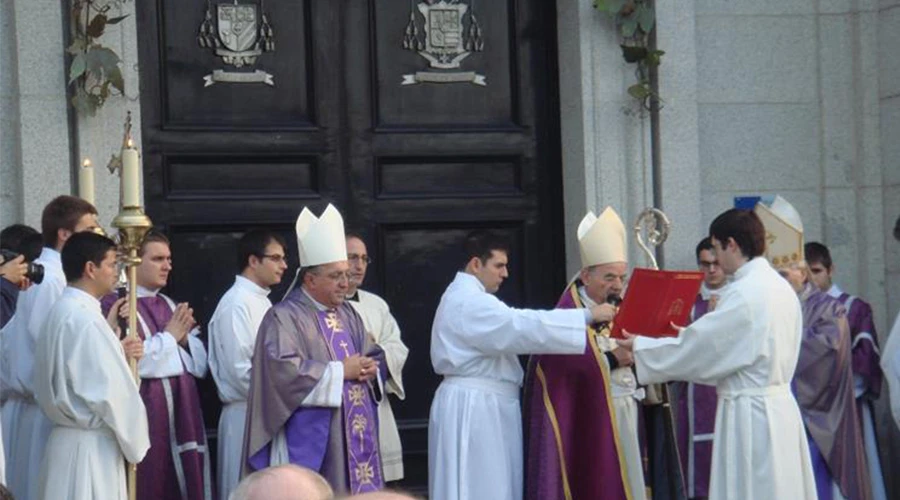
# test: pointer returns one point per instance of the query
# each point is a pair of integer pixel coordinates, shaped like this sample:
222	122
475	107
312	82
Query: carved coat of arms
241	33
449	33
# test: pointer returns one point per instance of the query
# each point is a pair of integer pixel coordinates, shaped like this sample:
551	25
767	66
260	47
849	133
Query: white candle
131	177
86	182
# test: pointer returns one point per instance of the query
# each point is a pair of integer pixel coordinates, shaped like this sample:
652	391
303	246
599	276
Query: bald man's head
283	482
381	495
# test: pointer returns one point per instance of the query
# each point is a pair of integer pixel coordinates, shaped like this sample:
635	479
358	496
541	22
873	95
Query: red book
654	300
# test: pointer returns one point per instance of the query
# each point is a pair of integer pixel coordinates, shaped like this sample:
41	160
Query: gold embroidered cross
357	395
331	321
344	347
364	473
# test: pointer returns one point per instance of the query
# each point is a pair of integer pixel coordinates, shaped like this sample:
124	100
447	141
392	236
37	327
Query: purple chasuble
695	412
864	342
572	446
823	385
293	347
177	464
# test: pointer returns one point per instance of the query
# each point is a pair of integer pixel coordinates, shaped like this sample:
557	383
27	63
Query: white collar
319	305
706	292
586	300
146	292
751	265
248	284
469	280
83	296
50	255
835	291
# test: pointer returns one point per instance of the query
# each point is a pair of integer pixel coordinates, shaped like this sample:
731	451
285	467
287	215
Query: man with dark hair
232	335
83	383
695	404
867	374
177	465
475	425
316	376
748	347
380	323
25	428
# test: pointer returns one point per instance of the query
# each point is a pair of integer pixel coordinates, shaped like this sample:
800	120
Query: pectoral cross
344	347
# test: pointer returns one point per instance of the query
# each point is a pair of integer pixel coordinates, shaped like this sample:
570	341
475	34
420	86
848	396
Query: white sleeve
162	357
492	327
330	389
395	353
231	337
194	356
716	345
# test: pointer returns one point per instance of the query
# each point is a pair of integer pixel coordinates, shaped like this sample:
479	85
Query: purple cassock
823	385
295	343
695	411
572	447
177	464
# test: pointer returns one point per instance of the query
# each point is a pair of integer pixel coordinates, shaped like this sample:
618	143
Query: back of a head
17	237
82	248
283	482
382	495
745	227
817	253
63	212
482	244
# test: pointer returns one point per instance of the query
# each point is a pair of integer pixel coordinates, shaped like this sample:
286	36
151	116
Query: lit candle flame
130	144
86	162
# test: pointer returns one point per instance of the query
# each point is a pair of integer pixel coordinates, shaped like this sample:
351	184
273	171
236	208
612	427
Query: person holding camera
20	245
12	276
25	428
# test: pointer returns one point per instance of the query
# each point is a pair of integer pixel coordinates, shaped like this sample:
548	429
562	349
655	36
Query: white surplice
25	427
163	356
475	425
379	322
625	399
748	348
890	365
85	387
232	336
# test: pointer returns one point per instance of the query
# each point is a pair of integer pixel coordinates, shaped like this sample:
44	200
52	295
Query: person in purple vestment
866	355
316	376
177	465
695	404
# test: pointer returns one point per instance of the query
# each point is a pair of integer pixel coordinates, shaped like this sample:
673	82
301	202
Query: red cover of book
654	300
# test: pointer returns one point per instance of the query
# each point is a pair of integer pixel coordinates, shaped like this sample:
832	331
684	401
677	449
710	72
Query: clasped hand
359	368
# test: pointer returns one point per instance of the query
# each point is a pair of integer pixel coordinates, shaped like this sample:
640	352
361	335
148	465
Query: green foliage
94	71
635	19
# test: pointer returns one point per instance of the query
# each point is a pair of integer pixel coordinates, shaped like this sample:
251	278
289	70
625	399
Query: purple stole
864	341
177	464
695	411
360	420
572	447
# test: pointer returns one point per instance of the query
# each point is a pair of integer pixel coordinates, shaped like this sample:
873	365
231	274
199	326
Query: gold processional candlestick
133	224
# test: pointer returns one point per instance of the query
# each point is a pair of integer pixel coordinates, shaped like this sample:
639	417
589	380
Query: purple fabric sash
360	420
177	464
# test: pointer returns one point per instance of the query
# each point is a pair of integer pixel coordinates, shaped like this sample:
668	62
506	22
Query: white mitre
784	232
321	240
602	239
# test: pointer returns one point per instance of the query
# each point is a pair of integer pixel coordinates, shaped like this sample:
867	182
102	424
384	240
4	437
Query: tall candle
86	182
131	177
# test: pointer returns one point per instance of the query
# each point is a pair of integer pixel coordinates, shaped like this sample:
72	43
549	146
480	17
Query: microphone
614	299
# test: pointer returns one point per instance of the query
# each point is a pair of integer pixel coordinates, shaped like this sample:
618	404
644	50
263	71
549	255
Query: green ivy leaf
639	91
97	26
101	59
646	18
77	46
78	67
629	26
117	20
115	79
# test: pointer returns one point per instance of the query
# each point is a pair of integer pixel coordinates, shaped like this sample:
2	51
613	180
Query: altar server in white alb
25	428
475	425
380	323
748	348
232	334
83	383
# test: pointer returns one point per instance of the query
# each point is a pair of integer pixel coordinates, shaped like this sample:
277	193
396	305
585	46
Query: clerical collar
248	284
355	296
706	292
146	292
319	306
586	300
471	279
835	291
83	296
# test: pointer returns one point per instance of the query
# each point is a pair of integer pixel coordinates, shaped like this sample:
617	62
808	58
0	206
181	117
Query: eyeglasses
336	276
359	258
704	264
278	259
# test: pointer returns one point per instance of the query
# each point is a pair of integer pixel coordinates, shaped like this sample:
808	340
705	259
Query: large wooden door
411	167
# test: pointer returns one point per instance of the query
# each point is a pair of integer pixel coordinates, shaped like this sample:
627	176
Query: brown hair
746	229
62	213
153	236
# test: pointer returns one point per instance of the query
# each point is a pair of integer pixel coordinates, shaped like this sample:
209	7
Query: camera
35	271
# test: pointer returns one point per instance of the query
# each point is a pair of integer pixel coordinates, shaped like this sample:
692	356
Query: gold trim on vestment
551	413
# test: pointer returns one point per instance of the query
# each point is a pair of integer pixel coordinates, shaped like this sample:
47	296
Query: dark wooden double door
412	168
